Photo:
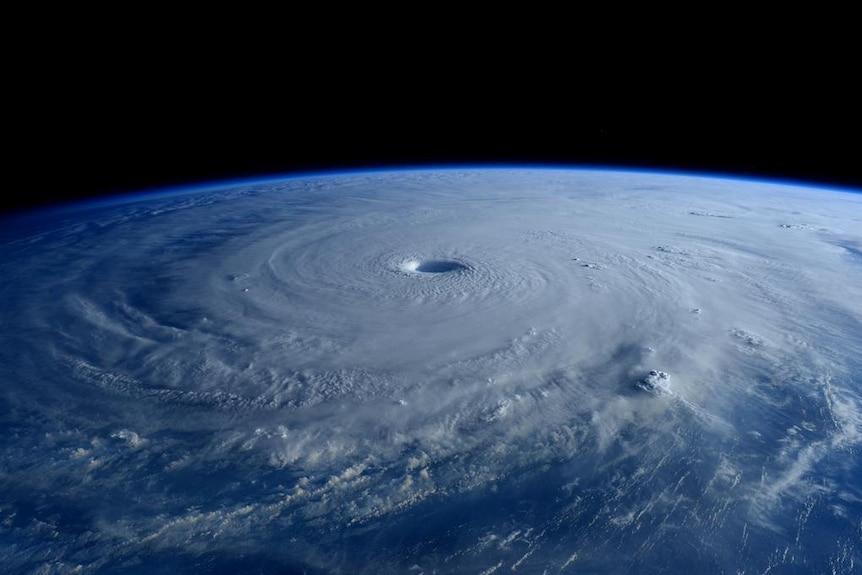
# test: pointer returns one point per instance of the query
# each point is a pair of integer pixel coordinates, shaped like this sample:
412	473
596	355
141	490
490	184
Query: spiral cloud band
437	371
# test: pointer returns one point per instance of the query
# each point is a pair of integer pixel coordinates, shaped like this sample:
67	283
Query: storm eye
434	266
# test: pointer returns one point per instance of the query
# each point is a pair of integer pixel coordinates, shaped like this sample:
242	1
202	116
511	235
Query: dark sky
92	152
92	125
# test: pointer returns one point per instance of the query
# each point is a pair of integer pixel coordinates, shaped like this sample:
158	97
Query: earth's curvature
436	371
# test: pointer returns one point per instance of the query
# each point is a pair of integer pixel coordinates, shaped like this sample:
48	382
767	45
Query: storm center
434	266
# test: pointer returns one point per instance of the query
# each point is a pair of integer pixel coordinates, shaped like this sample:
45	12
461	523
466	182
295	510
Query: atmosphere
156	142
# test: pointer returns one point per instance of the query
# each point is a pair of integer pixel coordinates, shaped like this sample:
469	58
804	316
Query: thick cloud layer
437	372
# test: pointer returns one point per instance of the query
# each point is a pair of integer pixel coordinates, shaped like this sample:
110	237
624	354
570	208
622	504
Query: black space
130	150
90	124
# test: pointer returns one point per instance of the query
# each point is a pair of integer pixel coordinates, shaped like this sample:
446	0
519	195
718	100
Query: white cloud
259	362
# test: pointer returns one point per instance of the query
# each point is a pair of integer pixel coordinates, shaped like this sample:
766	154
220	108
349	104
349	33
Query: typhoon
436	371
